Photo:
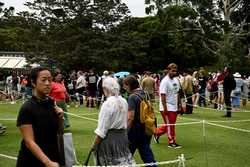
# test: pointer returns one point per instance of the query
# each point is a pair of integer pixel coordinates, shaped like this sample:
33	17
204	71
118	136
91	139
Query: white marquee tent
13	60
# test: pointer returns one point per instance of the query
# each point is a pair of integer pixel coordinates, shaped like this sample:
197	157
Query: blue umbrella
122	74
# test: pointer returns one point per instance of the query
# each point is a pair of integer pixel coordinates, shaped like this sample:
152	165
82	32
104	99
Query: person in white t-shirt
169	105
81	86
9	85
101	97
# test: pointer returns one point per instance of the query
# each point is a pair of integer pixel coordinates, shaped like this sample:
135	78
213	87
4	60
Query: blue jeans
142	143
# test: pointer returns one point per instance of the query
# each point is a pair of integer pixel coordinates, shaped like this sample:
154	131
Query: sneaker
2	131
156	138
174	145
171	145
177	145
2	127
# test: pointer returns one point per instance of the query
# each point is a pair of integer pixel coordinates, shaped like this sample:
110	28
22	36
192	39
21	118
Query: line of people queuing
202	90
88	86
83	88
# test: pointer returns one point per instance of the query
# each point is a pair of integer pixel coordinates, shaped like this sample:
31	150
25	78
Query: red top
220	77
58	91
24	82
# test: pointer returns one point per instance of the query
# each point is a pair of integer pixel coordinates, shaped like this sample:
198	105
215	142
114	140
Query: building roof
12	60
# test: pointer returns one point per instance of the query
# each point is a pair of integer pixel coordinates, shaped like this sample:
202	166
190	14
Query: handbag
60	142
65	147
69	150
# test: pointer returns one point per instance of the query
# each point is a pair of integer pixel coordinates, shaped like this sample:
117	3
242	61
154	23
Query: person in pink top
58	93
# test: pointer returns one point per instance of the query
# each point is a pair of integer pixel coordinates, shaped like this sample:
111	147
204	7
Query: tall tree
76	30
220	22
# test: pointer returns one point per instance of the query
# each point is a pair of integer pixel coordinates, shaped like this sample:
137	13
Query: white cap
105	72
237	75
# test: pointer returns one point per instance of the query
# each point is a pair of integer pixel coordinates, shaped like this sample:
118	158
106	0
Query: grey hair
111	85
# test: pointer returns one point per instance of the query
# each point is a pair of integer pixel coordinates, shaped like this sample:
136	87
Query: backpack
147	115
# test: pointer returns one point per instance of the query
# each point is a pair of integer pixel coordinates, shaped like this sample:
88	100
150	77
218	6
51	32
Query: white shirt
100	79
239	84
170	87
81	82
9	81
113	115
245	89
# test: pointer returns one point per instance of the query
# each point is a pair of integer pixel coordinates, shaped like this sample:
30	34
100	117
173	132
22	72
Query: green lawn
216	147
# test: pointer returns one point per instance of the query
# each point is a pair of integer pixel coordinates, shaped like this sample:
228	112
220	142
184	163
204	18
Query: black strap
141	97
182	90
137	114
88	157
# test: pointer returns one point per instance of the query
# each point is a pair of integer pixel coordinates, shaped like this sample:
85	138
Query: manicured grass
214	147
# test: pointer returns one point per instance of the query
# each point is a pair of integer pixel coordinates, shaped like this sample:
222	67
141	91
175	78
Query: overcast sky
136	7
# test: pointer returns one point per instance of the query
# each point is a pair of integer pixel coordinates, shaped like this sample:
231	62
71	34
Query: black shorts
91	93
80	90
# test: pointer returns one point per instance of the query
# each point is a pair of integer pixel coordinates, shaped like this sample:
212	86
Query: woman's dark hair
35	72
228	69
132	82
54	74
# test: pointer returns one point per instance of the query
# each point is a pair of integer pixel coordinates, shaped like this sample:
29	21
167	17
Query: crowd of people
119	132
219	89
85	88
